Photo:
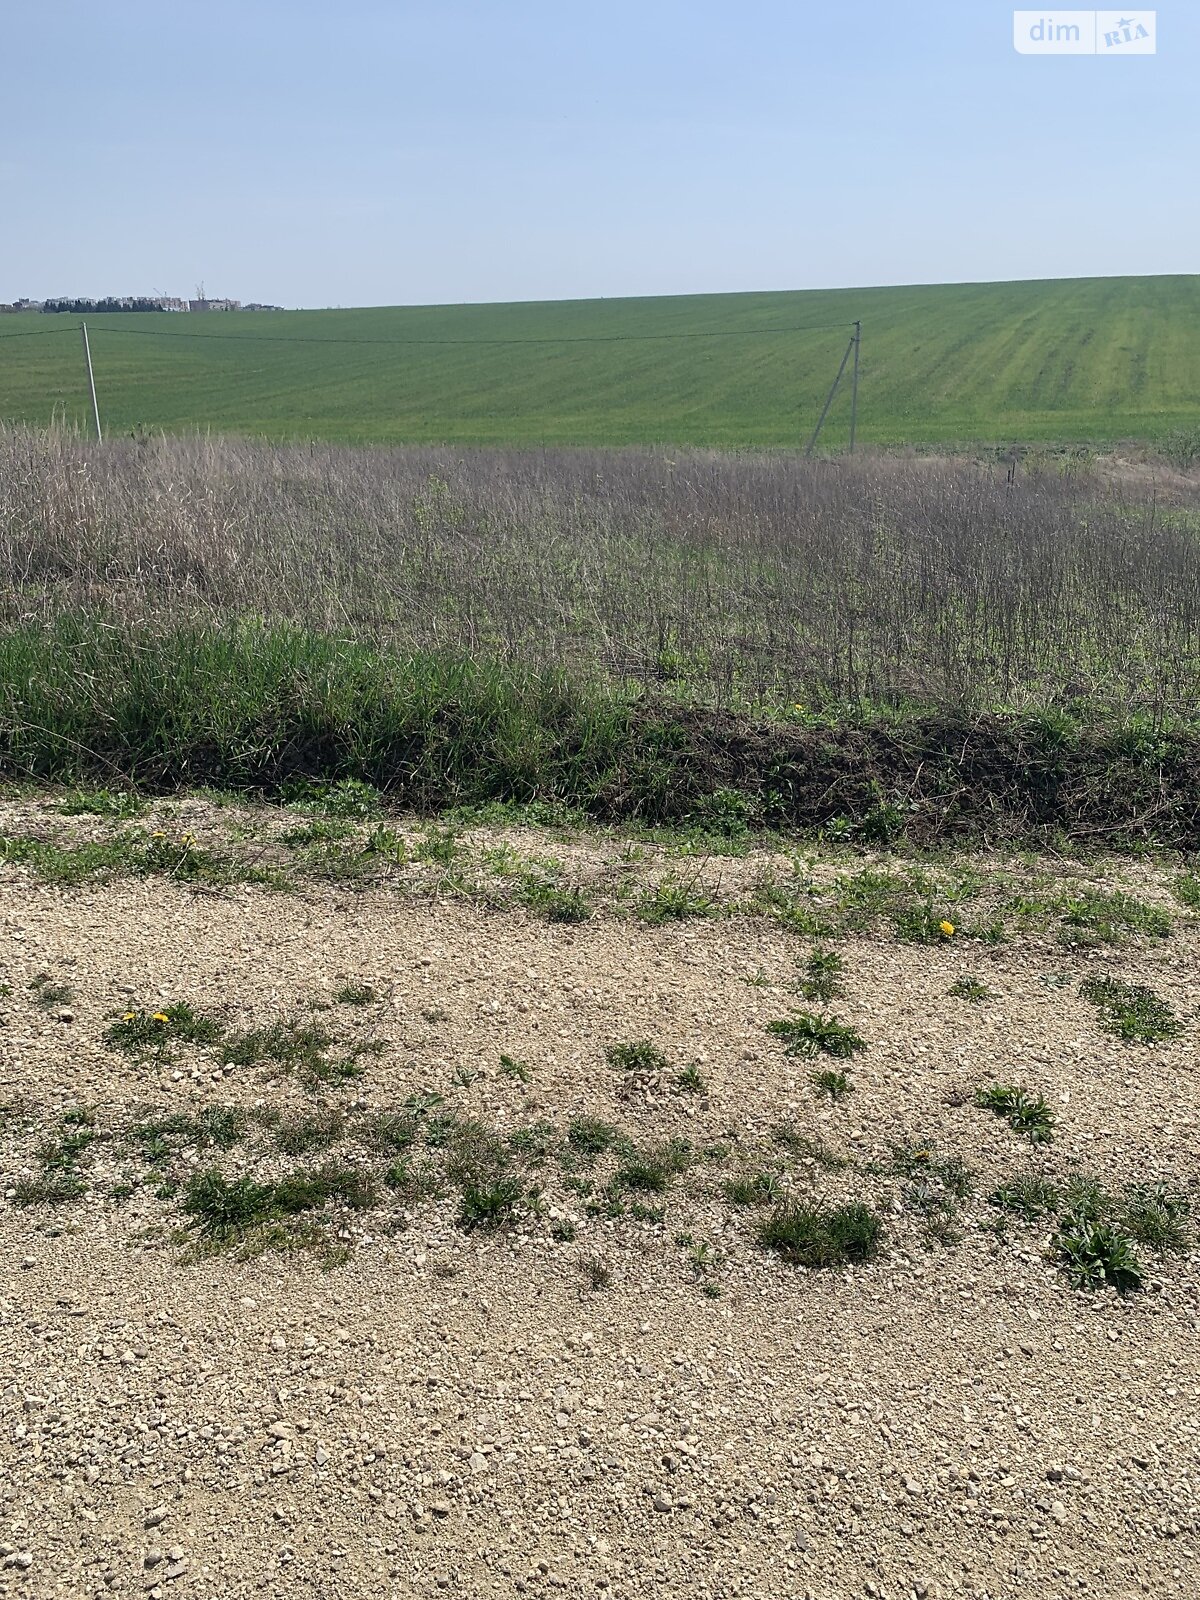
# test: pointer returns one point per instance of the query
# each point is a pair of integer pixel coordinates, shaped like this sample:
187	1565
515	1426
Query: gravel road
623	1402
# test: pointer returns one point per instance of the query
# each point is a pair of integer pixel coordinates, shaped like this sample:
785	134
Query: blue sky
370	153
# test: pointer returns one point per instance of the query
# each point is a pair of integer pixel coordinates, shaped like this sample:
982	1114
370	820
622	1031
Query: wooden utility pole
87	356
854	387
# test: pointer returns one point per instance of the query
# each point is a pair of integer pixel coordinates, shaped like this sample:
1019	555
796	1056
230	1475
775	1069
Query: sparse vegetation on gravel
1131	1010
572	1152
1025	1113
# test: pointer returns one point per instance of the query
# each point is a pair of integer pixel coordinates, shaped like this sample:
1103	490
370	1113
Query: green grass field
1091	360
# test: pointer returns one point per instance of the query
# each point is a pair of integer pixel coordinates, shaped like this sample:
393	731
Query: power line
597	338
42	333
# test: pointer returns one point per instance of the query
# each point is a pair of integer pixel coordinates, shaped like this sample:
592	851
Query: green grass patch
754	1189
1110	918
117	803
1027	1197
653	1168
674	899
225	1209
1131	1010
356	994
816	1236
808	1034
591	1137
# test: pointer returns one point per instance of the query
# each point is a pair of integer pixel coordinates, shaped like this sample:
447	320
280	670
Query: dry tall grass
738	577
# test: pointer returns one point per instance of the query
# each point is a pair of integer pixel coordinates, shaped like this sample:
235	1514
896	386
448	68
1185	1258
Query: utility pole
854	388
87	355
812	443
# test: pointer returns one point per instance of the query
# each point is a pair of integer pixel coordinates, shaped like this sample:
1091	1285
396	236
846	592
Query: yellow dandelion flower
160	1016
129	1016
159	834
946	929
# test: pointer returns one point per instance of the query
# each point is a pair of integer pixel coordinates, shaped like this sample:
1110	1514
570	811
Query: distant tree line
109	303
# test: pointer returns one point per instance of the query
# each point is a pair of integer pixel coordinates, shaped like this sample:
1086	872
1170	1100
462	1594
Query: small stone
801	1540
477	1461
321	1456
280	1430
440	1508
155	1517
66	1015
278	1343
662	1502
21	1559
1058	1511
177	1568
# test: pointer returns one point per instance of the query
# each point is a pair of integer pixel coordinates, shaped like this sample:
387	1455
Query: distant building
171	302
214	305
258	305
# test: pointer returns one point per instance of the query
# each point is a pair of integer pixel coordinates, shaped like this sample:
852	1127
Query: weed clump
146	1033
102	803
48	994
1094	1253
513	1068
808	1034
297	1047
833	1085
824	973
552	901
637	1056
356	994
816	1236
348	798
491	1204
673	899
1025	1113
969	989
223	1209
1157	1217
807	1148
1027	1197
691	1080
654	1169
1131	1010
754	1189
921	924
591	1137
